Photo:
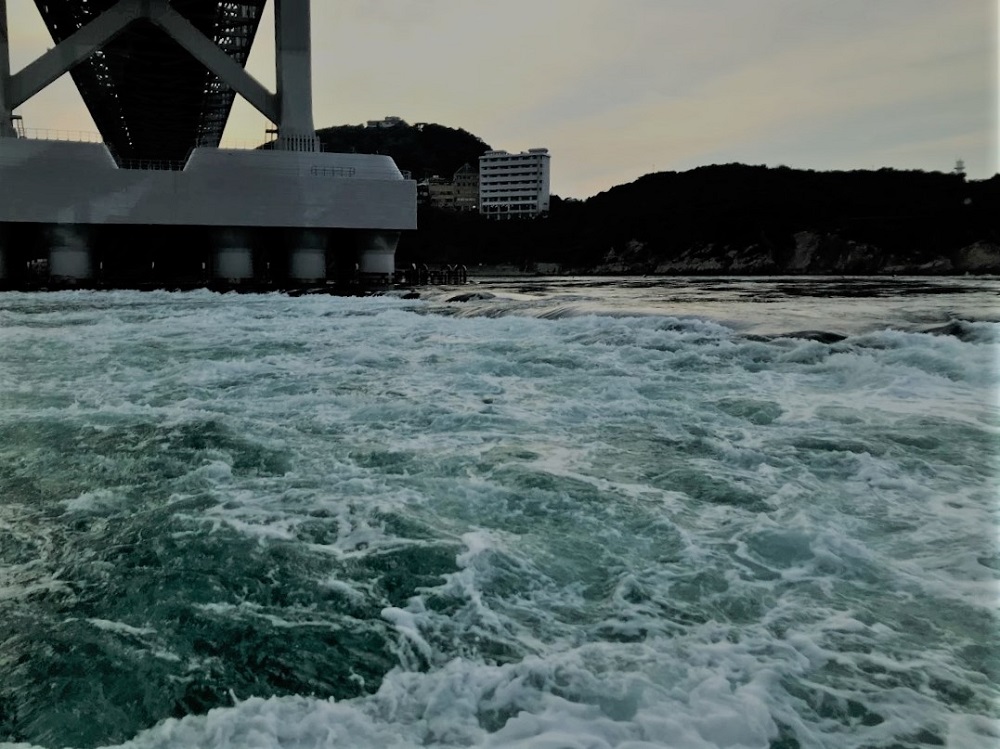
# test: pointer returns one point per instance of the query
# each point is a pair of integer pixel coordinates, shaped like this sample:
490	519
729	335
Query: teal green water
260	521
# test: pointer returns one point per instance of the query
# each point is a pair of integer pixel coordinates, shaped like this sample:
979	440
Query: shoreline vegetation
730	219
736	219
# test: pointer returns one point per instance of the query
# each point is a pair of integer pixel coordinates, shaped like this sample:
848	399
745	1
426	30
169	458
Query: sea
536	513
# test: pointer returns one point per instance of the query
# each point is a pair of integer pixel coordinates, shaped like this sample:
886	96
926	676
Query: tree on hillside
424	150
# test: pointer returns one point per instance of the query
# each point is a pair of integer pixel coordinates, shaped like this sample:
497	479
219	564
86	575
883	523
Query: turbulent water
563	514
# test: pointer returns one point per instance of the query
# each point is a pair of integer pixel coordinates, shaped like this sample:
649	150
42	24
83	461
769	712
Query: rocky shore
813	253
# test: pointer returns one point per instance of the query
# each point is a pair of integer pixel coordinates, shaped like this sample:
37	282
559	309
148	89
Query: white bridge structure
157	200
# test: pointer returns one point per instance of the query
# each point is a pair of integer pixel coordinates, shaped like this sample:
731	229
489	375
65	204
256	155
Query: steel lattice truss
150	99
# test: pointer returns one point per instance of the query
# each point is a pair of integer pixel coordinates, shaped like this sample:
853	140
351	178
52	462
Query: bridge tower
158	198
6	123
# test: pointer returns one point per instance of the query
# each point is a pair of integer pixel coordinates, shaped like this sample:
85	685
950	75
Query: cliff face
755	259
981	257
813	253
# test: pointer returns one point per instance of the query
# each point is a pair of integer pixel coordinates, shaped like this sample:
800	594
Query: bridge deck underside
148	97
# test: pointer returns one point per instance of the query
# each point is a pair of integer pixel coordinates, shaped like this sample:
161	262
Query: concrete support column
307	256
377	252
70	258
4	241
6	123
293	60
232	256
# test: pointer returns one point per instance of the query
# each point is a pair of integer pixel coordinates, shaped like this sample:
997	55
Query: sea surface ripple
548	516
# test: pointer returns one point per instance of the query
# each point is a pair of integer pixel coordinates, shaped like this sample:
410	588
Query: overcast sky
619	88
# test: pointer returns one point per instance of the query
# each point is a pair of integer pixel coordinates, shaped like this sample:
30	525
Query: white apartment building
514	185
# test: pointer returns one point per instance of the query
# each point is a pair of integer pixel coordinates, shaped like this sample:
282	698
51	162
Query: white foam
563	702
664	533
121	628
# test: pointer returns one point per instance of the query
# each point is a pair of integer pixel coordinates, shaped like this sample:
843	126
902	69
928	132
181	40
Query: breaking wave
232	520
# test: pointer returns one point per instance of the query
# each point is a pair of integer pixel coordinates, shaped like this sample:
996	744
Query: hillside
746	220
423	150
756	219
731	218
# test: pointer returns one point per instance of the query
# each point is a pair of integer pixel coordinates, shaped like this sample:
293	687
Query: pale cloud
618	89
923	78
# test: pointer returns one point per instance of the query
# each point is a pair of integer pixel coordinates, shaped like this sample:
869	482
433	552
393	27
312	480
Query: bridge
157	199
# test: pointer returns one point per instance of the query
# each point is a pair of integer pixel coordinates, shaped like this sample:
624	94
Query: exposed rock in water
471	296
820	336
956	328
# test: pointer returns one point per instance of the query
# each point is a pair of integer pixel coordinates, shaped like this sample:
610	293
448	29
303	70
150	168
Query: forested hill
731	218
792	219
424	150
736	218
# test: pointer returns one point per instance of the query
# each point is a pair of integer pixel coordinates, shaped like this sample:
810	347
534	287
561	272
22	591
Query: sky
619	88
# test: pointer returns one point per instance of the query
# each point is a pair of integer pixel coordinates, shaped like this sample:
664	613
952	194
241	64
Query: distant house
437	192
514	185
390	121
466	184
461	193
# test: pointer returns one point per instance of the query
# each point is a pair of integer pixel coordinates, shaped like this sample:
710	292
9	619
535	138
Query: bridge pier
70	257
4	243
293	59
307	256
232	256
259	218
377	252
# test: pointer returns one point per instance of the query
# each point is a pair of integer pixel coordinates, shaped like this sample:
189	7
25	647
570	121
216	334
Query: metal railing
154	165
74	136
82	136
233	145
267	145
